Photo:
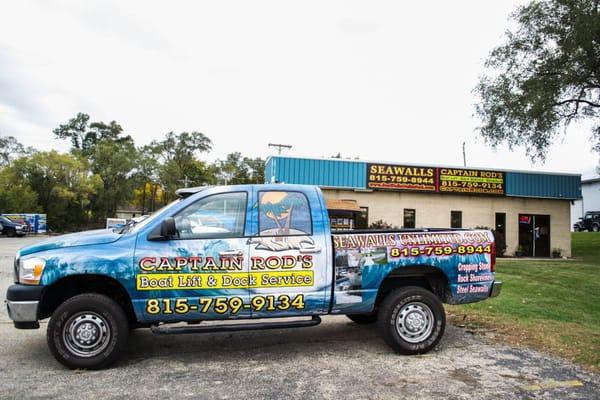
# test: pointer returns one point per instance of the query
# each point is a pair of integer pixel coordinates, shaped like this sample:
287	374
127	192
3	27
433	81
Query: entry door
534	235
288	256
541	235
203	273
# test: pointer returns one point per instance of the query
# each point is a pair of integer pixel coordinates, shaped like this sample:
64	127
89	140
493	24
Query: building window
409	217
501	223
362	218
455	219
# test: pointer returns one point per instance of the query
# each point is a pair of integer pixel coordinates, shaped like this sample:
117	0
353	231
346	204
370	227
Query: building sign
401	177
433	179
472	181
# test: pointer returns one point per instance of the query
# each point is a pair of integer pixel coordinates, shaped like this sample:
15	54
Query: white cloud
384	80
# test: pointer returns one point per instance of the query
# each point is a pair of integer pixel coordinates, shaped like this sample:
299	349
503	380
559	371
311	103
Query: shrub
381	224
556	252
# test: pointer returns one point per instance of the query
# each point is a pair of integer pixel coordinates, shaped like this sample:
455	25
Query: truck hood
98	236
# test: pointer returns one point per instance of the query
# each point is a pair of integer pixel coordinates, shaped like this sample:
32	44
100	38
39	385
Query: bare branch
589	103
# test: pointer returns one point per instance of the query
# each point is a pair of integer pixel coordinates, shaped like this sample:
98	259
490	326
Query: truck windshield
152	217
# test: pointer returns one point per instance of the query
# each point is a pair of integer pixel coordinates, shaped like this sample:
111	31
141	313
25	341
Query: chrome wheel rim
86	334
414	322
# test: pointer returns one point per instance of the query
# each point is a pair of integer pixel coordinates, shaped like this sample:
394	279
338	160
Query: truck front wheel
411	320
87	331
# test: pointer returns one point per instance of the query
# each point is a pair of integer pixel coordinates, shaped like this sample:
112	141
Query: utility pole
464	155
185	181
280	146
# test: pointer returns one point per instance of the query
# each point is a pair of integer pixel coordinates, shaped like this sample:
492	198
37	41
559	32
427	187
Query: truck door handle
310	249
231	253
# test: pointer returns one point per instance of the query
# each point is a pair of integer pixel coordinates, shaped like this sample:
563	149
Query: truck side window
283	214
216	216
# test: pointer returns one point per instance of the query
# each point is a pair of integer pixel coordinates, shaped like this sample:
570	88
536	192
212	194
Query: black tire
97	317
595	228
363	319
426	310
11	233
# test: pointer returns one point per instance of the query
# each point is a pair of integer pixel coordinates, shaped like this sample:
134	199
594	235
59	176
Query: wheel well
425	276
65	288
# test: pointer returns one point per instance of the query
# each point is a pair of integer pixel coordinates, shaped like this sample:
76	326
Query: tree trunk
144	199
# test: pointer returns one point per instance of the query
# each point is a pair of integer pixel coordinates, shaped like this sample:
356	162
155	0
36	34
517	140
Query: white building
590	201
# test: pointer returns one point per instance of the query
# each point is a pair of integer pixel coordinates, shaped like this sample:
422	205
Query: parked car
260	251
590	222
11	228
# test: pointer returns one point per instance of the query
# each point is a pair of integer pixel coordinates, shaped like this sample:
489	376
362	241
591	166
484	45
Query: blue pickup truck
253	252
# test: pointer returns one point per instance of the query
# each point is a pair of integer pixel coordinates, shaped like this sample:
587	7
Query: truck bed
462	258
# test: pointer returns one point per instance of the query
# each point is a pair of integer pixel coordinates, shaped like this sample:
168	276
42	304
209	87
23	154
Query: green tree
112	156
545	76
236	169
146	178
63	186
85	135
113	162
16	195
11	148
179	163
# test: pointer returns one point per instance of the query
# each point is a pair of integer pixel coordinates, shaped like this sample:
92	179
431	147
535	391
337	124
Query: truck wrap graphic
362	262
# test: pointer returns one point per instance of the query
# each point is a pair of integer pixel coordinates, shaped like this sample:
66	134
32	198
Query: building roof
352	174
590	181
356	160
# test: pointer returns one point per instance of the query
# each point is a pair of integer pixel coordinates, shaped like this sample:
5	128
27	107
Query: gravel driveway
337	359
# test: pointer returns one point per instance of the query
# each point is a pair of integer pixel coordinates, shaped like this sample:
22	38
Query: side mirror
168	228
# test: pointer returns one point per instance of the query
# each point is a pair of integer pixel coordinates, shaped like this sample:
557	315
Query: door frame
533	239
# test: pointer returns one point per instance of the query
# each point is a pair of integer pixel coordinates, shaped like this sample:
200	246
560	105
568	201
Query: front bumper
22	303
496	288
22	311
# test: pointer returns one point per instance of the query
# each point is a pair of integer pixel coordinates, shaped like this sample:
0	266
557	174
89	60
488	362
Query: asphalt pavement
337	359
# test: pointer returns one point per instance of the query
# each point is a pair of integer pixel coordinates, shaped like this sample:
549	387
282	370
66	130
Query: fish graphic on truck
244	252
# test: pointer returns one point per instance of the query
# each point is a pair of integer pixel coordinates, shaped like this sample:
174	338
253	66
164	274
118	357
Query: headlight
30	270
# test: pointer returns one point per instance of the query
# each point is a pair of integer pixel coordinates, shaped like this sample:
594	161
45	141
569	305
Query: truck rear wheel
87	331
411	320
363	319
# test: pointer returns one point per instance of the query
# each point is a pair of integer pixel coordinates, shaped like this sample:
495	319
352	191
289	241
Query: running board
174	330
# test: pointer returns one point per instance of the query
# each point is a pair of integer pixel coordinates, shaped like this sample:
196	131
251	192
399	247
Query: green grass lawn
550	305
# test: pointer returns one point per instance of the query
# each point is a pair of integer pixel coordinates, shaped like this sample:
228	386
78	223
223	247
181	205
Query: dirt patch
548	336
